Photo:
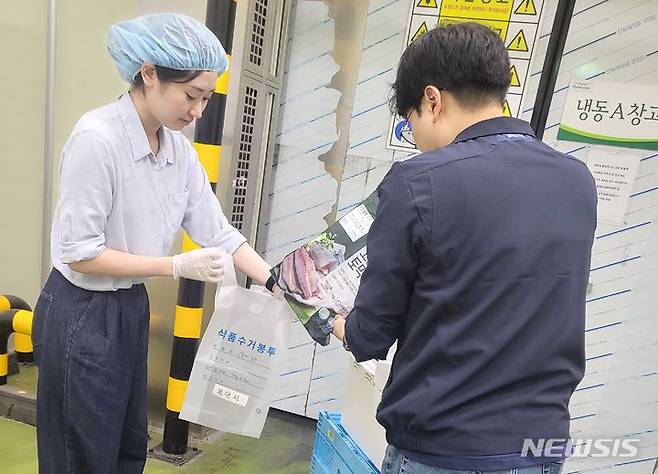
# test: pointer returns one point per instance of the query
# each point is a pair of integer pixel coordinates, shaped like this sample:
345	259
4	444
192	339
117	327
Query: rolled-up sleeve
204	218
387	284
87	183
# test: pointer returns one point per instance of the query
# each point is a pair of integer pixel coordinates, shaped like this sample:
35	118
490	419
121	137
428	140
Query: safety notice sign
515	21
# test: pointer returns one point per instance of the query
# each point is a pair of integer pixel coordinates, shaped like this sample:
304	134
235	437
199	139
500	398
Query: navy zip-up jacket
478	263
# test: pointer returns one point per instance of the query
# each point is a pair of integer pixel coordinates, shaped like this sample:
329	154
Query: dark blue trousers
91	350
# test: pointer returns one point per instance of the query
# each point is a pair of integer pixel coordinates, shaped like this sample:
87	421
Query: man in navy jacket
478	263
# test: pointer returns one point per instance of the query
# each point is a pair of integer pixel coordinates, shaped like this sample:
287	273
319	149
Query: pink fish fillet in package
321	278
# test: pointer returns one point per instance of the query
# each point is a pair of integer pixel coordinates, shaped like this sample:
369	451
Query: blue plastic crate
335	452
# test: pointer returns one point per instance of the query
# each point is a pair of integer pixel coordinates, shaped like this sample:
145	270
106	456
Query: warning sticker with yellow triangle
506	110
527	7
518	43
515	77
421	31
427	4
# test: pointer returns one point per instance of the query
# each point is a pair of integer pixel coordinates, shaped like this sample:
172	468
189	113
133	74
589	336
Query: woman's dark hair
467	59
165	75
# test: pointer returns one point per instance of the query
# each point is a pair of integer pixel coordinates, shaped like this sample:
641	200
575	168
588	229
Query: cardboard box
365	383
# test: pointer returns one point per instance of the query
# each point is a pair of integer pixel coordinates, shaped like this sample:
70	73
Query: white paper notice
357	222
614	174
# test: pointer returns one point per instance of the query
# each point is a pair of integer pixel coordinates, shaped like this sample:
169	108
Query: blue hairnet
167	39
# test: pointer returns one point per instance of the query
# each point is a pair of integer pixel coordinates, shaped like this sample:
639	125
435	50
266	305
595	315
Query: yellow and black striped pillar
18	321
22	341
5	331
220	18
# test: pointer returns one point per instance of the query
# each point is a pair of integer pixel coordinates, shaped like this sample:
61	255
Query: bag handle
229	270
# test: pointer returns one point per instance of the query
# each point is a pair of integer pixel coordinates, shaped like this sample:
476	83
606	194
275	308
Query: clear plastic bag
239	360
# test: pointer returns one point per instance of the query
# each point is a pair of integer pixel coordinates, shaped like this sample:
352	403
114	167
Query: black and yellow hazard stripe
12	302
22	338
22	324
187	331
5	330
220	18
19	322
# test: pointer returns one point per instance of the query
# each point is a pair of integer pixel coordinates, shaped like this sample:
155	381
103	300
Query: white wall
85	78
22	82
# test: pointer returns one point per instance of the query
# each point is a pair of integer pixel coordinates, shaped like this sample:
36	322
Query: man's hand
339	327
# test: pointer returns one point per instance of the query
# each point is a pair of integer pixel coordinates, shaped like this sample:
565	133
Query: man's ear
434	100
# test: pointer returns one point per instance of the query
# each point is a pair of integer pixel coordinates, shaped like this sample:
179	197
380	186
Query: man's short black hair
467	59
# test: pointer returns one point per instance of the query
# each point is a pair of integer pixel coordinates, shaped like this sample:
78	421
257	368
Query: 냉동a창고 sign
613	114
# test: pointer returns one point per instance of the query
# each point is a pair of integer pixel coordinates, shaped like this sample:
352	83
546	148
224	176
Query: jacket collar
495	126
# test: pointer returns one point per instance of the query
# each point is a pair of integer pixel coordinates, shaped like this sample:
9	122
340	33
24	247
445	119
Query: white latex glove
200	264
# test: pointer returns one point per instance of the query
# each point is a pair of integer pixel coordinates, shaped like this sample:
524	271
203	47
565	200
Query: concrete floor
284	448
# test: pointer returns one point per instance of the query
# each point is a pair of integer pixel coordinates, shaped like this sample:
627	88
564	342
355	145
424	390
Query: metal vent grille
258	33
244	155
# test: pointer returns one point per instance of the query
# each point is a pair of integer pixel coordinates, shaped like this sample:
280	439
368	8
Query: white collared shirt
114	193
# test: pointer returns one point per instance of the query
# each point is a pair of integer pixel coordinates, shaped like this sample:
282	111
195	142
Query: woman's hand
201	264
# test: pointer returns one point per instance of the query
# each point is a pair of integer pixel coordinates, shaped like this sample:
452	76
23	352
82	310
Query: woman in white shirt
129	180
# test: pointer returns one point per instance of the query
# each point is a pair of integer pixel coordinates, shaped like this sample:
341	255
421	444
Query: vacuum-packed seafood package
321	278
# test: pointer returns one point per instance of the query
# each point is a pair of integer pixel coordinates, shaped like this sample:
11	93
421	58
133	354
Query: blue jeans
396	463
91	349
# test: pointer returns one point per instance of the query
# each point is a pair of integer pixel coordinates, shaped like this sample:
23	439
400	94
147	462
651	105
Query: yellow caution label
427	4
519	43
422	29
527	7
500	27
515	77
506	110
478	9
